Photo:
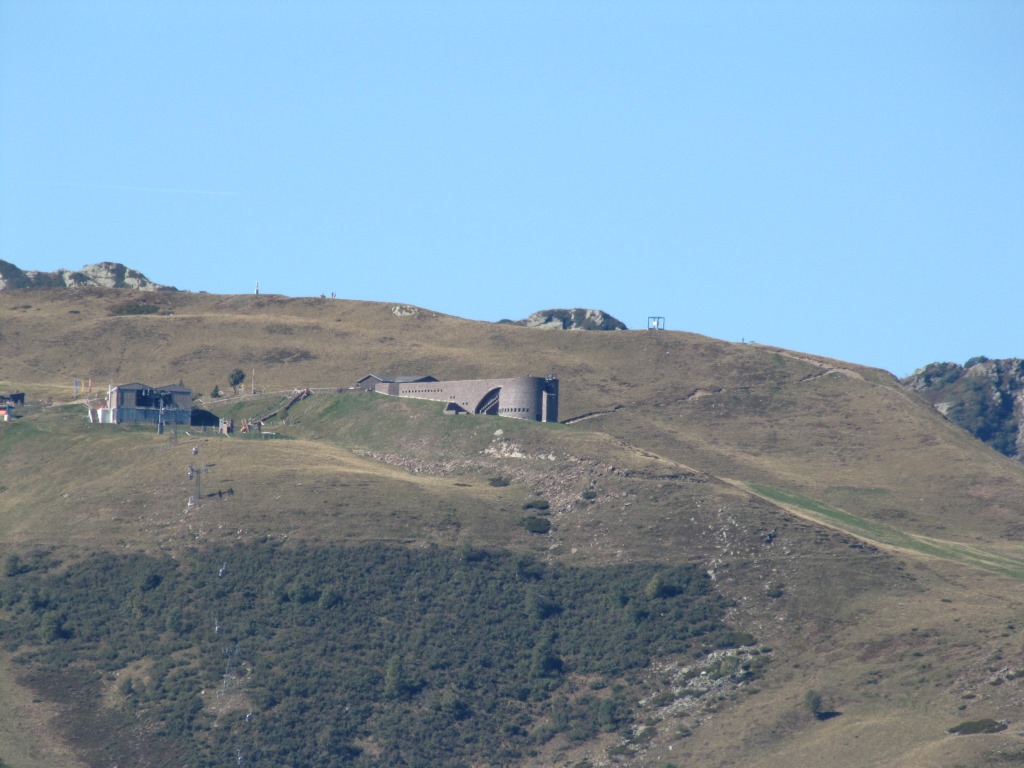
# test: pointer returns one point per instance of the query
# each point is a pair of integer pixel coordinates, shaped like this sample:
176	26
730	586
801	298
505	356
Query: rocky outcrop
572	319
107	274
985	397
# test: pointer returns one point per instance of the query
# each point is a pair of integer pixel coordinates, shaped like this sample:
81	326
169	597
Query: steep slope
871	544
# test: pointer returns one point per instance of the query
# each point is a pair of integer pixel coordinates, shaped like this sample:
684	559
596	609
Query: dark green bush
662	699
813	702
137	307
734	639
970	727
536	524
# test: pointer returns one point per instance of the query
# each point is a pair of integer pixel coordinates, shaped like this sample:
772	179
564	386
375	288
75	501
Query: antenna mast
194	474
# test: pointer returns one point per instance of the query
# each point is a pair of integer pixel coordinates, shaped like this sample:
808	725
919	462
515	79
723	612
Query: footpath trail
885	536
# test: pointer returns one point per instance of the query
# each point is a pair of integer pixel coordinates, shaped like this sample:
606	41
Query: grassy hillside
874	547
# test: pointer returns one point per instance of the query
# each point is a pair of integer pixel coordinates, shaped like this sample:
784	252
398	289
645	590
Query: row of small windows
424	390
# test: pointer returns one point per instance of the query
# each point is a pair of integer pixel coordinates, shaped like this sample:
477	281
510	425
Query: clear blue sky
841	178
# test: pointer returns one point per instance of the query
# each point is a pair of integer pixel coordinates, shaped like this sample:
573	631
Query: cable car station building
524	397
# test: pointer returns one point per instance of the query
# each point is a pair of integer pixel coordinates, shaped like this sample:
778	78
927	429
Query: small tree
396	684
812	700
215	392
235	379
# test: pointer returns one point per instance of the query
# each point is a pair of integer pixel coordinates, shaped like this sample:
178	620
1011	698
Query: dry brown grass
27	733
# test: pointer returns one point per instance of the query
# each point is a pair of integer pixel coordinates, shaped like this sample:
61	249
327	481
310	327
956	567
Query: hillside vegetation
715	531
985	397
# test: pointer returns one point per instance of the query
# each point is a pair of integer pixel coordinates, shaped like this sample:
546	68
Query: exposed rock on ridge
985	397
572	319
107	274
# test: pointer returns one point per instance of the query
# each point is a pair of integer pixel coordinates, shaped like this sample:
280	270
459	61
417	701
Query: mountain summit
572	319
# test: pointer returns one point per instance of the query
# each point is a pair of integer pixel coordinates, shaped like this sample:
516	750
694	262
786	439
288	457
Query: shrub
662	699
498	482
536	524
735	638
812	700
396	683
235	379
538	505
662	585
541	607
470	553
623	750
970	727
134	308
648	733
14	566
